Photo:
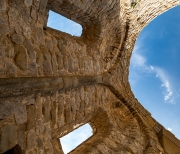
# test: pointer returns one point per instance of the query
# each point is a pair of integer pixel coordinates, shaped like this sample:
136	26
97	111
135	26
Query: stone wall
52	82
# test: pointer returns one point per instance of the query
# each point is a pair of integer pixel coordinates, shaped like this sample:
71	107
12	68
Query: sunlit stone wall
51	82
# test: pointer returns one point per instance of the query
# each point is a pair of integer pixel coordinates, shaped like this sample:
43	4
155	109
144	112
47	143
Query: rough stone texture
8	137
6	109
22	137
20	114
52	82
31	113
31	139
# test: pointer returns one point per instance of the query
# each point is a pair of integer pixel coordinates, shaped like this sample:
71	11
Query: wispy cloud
138	61
139	65
166	84
168	94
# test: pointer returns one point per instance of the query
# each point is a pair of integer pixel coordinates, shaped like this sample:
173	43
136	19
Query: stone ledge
169	142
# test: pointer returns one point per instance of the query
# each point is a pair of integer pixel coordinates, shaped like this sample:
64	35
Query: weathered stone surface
26	15
54	64
43	5
31	139
33	69
27	31
47	132
61	47
36	3
14	16
17	39
21	57
39	127
20	114
11	69
30	49
54	114
22	137
4	29
39	57
61	82
2	70
2	50
30	100
48	147
6	109
8	137
47	68
46	53
28	3
31	114
46	109
3	5
34	13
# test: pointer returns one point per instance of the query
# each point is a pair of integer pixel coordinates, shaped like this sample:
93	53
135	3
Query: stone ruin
52	82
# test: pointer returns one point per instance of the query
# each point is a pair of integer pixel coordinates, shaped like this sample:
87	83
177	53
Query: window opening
61	23
75	138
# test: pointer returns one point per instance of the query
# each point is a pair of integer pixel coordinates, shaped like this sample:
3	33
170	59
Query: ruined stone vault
51	82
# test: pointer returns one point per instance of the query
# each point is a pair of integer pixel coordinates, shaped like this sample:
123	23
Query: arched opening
61	23
154	69
15	150
75	138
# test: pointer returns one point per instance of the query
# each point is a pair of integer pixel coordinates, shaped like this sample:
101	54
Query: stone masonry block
21	57
8	137
39	126
22	136
17	39
31	113
3	5
20	114
31	139
6	109
28	3
46	109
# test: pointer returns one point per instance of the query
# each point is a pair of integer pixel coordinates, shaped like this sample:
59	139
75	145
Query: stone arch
140	16
100	122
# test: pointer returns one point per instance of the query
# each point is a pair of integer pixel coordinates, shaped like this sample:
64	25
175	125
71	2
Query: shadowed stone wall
52	82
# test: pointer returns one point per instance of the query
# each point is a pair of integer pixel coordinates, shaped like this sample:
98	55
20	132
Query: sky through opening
154	69
75	138
61	23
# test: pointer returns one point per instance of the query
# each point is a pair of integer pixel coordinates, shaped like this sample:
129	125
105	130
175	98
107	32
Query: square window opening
61	23
70	141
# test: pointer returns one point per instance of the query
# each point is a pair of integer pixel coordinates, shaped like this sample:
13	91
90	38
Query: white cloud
139	64
138	60
169	93
164	78
152	68
170	129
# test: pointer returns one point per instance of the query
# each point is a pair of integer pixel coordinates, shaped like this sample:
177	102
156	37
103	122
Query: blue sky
154	69
61	23
76	137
